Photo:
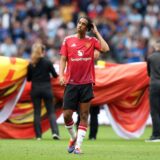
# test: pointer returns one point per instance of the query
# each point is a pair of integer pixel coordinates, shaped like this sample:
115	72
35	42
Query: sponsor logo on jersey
80	53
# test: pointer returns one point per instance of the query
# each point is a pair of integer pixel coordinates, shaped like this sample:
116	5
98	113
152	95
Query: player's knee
67	116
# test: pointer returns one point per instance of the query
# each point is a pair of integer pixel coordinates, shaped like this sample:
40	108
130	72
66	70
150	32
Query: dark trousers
155	108
38	94
94	111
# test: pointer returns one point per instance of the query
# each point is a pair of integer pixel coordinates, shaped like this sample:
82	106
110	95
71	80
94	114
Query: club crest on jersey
87	45
80	53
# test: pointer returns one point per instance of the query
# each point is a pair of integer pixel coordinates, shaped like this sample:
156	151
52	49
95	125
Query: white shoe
56	137
38	139
153	139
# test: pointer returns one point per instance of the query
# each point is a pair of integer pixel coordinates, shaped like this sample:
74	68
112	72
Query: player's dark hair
89	24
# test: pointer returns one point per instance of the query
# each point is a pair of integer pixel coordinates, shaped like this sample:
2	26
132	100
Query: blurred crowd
129	26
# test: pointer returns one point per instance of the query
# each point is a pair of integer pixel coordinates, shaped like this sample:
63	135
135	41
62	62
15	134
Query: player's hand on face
94	29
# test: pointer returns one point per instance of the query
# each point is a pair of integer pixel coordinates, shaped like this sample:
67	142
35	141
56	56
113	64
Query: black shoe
153	139
56	137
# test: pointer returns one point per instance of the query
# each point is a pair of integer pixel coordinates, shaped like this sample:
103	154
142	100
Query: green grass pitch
108	146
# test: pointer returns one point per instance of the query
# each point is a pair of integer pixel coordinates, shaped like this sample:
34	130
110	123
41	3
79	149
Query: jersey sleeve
97	44
63	50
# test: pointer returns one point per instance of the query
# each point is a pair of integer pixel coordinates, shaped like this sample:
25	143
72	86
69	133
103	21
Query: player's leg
70	104
82	128
85	96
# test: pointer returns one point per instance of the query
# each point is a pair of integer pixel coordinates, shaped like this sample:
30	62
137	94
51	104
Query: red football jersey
80	58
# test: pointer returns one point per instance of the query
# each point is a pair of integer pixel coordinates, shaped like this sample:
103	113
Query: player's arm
104	45
62	66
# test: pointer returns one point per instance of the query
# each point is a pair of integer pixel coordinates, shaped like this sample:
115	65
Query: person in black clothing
39	71
153	69
94	111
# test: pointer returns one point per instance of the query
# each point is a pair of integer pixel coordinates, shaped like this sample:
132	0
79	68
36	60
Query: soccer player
77	52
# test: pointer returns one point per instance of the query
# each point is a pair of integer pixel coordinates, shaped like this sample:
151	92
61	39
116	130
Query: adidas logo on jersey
73	45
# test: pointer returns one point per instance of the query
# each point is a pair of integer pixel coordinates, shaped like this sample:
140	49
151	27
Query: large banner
121	88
